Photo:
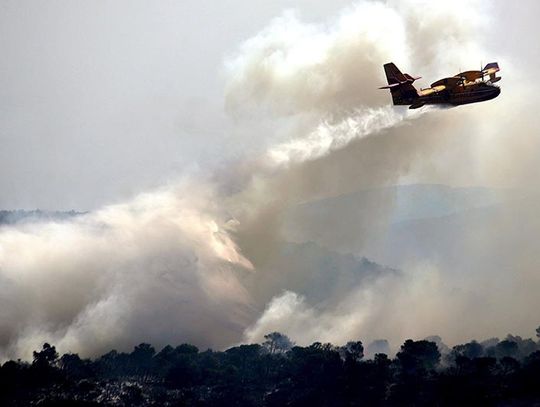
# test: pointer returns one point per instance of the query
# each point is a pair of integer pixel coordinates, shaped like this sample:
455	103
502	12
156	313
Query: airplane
465	87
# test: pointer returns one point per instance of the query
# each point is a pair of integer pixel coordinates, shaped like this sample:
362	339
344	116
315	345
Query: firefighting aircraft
465	87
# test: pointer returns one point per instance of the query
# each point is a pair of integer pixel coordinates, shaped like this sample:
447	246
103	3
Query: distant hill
479	245
351	222
470	239
20	216
416	201
319	274
460	228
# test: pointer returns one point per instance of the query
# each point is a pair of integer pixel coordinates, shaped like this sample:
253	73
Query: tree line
280	373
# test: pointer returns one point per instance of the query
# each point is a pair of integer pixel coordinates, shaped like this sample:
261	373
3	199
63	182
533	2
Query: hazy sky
100	100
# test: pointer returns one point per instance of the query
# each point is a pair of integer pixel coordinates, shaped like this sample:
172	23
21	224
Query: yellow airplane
465	87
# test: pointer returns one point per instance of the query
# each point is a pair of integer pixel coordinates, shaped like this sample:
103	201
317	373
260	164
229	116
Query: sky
193	131
103	100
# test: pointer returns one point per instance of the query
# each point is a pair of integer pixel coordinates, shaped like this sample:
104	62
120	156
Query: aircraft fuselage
463	88
464	95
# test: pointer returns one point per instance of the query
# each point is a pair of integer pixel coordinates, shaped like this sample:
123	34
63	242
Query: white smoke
394	306
180	264
161	268
292	67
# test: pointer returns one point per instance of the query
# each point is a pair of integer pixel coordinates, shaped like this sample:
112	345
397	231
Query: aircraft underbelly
458	99
434	100
474	97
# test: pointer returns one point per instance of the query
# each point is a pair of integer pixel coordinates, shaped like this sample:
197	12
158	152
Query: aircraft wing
471	76
449	83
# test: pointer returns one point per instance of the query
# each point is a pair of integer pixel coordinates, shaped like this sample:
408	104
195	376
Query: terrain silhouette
279	373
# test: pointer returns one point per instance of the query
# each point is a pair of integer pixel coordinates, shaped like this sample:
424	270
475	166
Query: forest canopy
278	372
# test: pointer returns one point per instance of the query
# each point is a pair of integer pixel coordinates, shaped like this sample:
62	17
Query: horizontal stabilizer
390	86
411	78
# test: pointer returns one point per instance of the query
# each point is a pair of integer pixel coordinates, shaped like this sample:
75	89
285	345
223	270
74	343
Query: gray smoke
201	260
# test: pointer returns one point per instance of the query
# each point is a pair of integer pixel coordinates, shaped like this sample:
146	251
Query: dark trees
353	350
46	357
267	375
276	342
418	357
469	350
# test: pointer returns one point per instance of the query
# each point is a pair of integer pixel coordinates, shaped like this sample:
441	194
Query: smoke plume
202	261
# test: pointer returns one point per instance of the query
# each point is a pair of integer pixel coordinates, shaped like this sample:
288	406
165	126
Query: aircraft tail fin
393	74
400	85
